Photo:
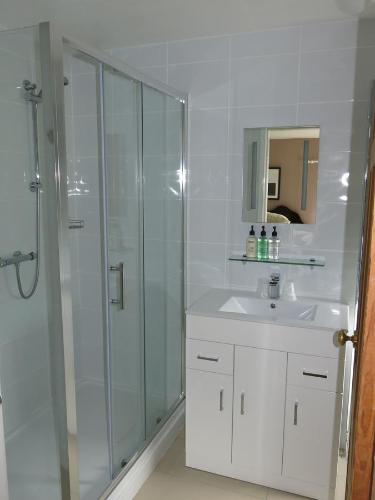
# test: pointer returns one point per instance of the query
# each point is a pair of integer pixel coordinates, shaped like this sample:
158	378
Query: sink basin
248	306
269	308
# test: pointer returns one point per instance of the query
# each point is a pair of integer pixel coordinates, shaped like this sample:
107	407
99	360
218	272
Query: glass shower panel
125	256
82	115
163	253
25	372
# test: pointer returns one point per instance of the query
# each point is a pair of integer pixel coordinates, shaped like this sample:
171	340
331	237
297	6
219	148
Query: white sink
271	309
248	306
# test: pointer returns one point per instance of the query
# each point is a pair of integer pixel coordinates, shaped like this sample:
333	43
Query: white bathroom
186	272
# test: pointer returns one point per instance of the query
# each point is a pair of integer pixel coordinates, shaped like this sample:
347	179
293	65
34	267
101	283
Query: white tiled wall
24	352
315	74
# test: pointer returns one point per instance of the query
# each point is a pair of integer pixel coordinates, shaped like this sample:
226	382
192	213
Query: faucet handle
275	277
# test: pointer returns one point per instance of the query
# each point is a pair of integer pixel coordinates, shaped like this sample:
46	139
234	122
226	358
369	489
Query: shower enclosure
92	265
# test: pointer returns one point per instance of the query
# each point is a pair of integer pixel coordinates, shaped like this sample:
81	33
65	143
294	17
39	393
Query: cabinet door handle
295	418
242	403
312	374
206	358
221	404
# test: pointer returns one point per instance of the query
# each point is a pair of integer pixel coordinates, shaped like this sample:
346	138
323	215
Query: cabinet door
310	438
258	411
208	419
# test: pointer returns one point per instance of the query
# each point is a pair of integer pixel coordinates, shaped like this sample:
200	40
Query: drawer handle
317	375
221	404
205	358
242	403
295	417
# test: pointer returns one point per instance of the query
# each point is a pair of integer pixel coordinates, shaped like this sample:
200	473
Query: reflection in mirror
280	175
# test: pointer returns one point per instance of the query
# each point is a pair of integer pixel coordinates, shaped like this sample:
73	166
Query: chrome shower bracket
34	186
30	92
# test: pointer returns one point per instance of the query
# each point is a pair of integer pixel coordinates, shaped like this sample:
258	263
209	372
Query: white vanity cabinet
262	408
258	410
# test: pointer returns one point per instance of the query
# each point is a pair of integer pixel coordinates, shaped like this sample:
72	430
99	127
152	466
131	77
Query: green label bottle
262	247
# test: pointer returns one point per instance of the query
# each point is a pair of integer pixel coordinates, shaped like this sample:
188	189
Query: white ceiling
116	23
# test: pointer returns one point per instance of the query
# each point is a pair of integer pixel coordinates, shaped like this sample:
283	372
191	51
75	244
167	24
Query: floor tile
173	464
172	480
162	486
282	495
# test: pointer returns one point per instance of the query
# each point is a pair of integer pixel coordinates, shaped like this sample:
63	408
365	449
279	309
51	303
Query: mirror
280	175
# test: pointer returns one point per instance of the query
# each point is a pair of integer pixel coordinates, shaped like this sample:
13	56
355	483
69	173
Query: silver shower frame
52	44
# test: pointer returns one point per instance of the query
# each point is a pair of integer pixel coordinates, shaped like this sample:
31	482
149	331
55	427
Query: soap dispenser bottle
262	247
251	245
274	245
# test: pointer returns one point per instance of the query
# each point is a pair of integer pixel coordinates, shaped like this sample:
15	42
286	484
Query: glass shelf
297	261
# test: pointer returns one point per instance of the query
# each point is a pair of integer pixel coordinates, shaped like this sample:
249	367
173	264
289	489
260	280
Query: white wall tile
365	68
200	49
235	169
328	75
194	292
338	227
208	132
262	43
206	264
207	177
319	281
335	121
329	35
206	82
158	72
268	80
211	217
341	177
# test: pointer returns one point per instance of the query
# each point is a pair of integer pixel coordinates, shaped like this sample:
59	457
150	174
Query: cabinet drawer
313	372
209	356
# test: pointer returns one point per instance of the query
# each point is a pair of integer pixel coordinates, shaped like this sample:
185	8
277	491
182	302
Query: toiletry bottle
262	247
251	245
274	245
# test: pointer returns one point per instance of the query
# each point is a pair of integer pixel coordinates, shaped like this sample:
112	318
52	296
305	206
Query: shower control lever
121	299
17	258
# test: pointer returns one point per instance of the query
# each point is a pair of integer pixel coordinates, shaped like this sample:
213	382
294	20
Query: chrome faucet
274	286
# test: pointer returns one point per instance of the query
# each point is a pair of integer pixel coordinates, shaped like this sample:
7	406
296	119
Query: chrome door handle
295	416
121	299
221	405
242	403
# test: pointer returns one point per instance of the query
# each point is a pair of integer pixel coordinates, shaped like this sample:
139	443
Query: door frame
360	476
58	259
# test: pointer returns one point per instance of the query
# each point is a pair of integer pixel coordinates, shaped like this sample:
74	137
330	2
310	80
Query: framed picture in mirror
274	174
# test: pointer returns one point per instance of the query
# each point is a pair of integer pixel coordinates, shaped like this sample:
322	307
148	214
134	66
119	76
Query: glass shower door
163	253
124	263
